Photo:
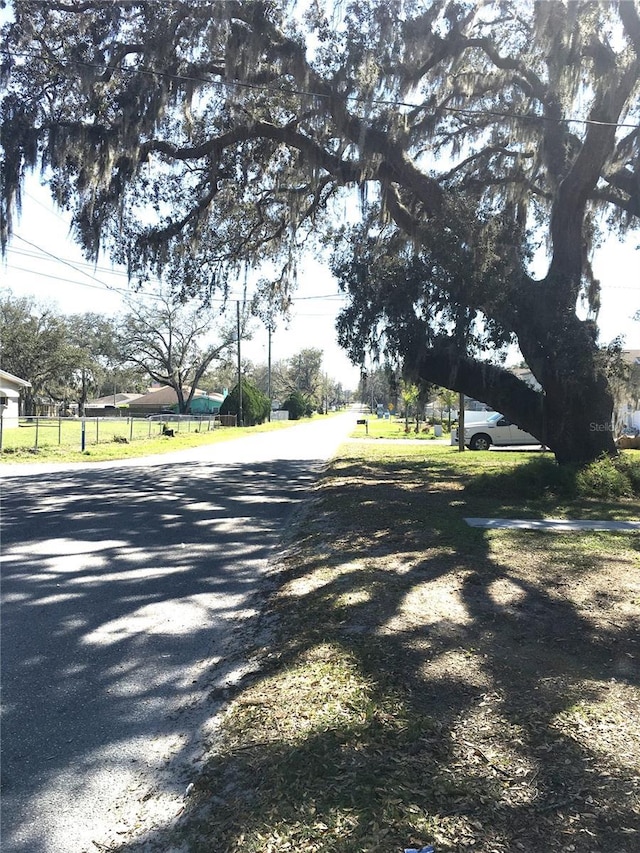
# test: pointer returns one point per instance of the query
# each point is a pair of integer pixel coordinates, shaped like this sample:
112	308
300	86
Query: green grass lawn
428	682
44	433
394	427
117	438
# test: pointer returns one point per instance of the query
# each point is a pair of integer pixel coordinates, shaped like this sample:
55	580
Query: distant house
525	374
10	388
158	400
206	404
627	393
110	405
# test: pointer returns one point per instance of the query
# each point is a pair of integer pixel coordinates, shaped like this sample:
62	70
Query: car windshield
494	418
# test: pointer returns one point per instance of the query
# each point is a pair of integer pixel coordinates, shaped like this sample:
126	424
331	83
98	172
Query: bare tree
175	342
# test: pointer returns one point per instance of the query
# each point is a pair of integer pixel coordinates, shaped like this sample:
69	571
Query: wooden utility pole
269	372
240	414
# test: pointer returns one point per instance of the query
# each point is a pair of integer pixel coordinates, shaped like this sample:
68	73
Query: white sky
617	266
43	262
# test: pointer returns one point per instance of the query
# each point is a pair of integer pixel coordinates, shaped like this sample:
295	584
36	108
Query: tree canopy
35	347
190	138
64	358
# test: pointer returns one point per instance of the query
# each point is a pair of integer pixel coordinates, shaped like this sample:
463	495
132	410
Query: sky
617	266
43	262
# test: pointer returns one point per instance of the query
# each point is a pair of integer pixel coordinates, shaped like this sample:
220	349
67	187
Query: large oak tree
35	347
189	137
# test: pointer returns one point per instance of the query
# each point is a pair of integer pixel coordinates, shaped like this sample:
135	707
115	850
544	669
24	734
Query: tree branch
481	380
631	21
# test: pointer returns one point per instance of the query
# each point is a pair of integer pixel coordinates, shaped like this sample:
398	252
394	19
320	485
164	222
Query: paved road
124	585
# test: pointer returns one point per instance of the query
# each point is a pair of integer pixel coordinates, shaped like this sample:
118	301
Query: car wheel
480	442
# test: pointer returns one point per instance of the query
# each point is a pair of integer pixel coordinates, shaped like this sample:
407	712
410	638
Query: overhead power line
40	274
98	284
79	265
62	261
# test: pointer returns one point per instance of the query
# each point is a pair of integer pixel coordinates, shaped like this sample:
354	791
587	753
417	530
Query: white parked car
496	430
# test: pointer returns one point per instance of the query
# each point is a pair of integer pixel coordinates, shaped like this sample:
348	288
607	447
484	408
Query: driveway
125	590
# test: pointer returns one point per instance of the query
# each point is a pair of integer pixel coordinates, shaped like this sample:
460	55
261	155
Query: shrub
255	404
609	477
632	466
526	481
298	406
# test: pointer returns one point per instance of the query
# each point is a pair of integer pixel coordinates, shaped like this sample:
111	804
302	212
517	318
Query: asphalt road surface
125	586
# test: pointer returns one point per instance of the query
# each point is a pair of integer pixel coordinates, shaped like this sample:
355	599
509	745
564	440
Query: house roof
521	371
631	356
526	375
164	396
6	377
108	400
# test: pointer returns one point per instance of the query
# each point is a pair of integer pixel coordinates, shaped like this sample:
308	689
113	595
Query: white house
10	387
628	393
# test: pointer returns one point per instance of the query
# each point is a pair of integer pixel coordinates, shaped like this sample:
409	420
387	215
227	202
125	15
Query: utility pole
371	387
269	371
240	415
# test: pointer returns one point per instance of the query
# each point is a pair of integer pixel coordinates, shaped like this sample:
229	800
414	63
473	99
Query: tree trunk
29	404
182	403
578	426
578	401
84	393
572	416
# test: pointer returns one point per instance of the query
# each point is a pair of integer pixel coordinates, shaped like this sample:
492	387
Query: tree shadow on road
123	594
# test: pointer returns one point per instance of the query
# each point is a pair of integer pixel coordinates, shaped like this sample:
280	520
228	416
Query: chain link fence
79	433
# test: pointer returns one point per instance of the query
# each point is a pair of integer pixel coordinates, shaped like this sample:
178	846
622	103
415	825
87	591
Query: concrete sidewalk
557	524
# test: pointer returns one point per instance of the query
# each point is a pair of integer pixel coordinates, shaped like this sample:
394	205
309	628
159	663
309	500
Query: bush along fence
79	433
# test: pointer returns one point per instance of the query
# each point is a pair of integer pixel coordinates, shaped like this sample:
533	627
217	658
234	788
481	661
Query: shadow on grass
433	683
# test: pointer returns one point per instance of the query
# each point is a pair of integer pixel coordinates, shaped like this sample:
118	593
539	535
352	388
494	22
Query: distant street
123	588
